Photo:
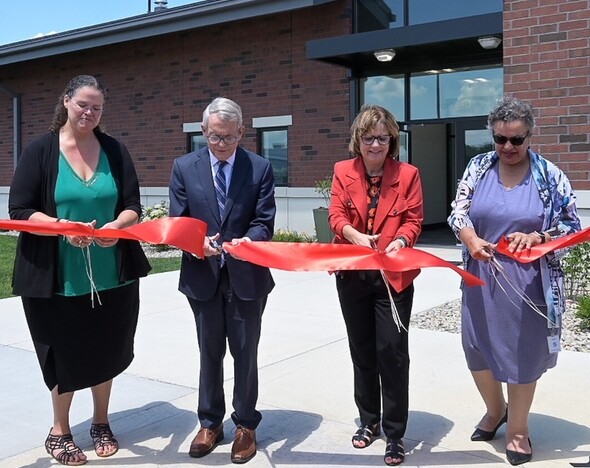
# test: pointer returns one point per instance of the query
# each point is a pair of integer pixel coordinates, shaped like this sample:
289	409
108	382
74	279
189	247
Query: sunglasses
514	141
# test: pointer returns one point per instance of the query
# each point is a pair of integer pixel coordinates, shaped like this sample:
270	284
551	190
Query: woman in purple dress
515	193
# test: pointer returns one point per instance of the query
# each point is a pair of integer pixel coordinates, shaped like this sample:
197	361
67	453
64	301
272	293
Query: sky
26	19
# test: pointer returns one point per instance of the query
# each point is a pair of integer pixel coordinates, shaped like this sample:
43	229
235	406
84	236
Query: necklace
93	177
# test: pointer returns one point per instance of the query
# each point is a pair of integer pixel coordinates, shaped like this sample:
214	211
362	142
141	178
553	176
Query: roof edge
177	19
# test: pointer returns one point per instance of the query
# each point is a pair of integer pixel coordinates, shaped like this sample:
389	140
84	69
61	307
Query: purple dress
500	331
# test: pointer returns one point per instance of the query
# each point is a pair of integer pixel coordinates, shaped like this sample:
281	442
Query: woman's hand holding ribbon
80	240
518	241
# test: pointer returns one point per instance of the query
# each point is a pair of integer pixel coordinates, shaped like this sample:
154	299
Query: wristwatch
542	235
402	240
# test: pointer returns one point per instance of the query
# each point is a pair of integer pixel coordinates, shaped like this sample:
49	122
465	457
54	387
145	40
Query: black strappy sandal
102	436
68	449
366	434
395	451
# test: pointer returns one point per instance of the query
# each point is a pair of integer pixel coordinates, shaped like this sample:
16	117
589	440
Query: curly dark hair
60	115
511	109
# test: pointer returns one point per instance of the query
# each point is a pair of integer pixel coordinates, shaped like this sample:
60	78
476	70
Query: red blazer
399	211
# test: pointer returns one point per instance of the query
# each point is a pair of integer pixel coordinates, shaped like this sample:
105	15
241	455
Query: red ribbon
184	233
188	234
292	256
536	252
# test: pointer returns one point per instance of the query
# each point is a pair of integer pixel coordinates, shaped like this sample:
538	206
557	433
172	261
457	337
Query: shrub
149	213
576	266
583	312
324	188
159	210
284	235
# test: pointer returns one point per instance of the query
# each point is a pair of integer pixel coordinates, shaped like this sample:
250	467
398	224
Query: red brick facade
547	62
158	84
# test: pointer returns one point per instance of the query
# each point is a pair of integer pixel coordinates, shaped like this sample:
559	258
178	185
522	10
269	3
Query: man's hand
210	245
238	241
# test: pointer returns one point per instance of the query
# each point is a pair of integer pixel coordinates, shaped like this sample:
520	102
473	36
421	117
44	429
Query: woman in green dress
80	294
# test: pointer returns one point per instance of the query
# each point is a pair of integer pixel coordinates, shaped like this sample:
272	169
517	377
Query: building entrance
441	151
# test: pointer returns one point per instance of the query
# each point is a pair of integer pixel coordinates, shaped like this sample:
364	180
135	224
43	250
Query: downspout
16	133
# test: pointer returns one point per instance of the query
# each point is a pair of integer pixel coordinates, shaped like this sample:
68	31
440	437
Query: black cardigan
33	189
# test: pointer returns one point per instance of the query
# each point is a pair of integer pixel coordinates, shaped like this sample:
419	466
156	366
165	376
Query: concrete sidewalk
306	398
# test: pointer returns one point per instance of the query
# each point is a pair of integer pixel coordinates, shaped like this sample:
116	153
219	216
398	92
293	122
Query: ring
80	242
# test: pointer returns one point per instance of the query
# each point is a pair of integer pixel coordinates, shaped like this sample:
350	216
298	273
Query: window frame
273	124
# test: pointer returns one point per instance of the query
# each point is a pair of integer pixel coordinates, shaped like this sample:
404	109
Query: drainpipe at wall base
16	133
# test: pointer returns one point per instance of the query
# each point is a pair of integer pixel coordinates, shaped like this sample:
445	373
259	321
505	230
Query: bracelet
402	240
542	235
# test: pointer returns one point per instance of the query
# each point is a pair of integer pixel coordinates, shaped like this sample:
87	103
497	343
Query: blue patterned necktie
220	187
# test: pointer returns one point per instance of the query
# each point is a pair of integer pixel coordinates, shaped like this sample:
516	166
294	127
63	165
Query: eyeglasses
85	108
514	141
216	139
381	139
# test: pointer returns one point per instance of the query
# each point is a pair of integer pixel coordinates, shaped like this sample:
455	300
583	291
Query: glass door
472	138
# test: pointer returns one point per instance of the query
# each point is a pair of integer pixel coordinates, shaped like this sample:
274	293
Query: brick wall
547	62
158	84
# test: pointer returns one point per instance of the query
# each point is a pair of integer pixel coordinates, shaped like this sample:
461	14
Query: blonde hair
368	118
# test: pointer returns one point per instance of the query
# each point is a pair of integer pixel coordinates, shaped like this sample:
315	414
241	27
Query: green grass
160	265
8	247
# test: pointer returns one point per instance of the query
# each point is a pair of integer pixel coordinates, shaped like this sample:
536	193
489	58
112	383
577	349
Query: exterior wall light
489	42
385	55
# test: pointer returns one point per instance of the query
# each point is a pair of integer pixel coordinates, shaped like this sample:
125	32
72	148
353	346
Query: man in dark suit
232	190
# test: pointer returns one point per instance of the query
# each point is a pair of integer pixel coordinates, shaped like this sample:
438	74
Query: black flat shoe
517	458
480	435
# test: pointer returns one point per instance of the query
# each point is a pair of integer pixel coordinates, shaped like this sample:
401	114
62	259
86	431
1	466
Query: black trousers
378	349
227	318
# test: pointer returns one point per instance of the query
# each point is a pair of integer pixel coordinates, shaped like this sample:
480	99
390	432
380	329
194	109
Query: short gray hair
510	109
227	109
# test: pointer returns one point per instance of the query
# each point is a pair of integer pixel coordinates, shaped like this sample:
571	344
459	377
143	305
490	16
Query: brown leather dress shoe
244	447
205	441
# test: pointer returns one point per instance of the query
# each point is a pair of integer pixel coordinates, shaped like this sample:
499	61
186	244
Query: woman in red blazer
377	202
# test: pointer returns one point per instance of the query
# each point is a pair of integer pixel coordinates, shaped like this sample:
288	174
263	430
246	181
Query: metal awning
418	47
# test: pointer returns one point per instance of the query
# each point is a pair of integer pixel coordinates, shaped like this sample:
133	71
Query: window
439	94
428	11
477	142
273	144
197	141
423	95
374	15
274	147
470	92
386	91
